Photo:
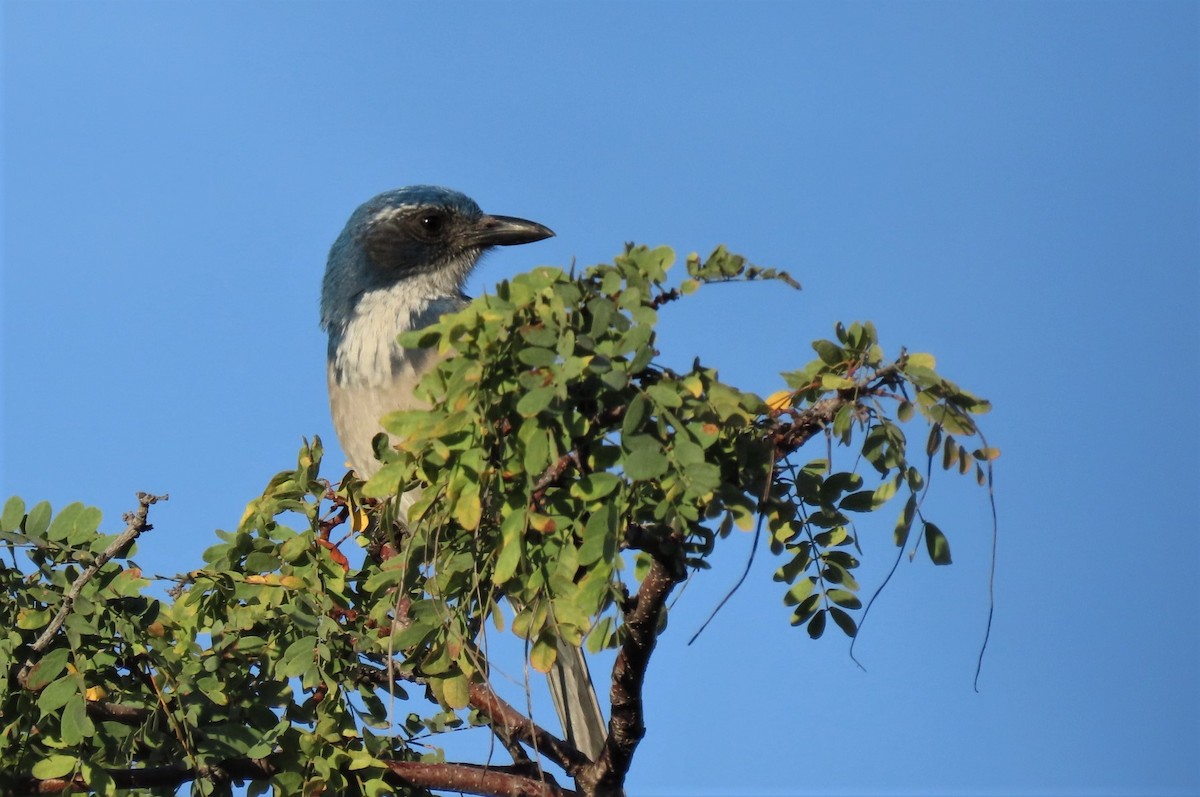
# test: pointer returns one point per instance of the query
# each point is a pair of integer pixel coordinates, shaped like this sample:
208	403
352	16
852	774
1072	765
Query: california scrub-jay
399	264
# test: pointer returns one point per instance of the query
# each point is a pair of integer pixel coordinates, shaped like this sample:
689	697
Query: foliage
561	471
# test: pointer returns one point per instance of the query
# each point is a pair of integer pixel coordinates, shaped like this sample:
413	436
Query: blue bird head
422	238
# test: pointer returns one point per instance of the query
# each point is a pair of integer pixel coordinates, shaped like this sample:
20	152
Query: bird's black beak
506	231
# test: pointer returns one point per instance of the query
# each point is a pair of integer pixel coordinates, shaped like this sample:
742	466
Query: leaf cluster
554	443
560	484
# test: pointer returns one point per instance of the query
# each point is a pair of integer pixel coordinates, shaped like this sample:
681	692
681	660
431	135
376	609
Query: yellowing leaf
542	523
543	655
468	509
780	400
360	520
694	385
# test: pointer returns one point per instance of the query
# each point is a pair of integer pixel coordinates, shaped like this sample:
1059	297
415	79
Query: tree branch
135	524
508	720
171	776
627	724
468	778
474	779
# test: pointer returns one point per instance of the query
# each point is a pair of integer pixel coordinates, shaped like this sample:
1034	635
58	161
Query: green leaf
843	422
598	637
637	410
599	536
32	619
937	545
921	376
298	659
844	621
949	453
844	598
57	693
816	626
76	726
884	492
47	669
829	352
537	357
385	482
838	483
800	591
295	548
537	447
806	609
88	522
835	382
595	486
535	401
644	458
64	522
934	441
921	360
14	512
457	691
38	520
54	766
904	521
511	531
862	501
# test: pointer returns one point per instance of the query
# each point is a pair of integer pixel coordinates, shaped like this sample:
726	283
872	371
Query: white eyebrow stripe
391	212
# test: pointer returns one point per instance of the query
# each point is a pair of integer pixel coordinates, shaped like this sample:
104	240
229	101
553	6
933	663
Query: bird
399	264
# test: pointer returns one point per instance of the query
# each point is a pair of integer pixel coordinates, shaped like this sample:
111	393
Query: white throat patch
367	354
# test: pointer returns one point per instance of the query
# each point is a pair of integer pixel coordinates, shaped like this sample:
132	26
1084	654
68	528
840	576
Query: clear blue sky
1011	186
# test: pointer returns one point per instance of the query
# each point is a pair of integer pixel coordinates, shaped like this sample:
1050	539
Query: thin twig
135	525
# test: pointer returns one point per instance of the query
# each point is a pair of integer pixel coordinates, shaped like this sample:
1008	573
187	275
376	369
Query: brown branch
627	724
509	721
468	778
171	776
553	473
563	465
115	712
810	421
669	295
511	726
135	524
474	779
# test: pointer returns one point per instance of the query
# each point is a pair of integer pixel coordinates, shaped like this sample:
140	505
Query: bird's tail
575	701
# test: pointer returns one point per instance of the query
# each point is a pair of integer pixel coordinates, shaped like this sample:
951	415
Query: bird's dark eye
432	223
